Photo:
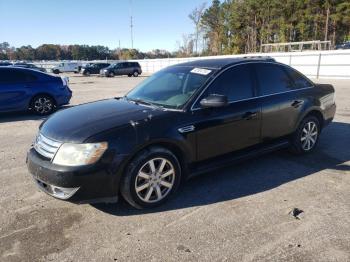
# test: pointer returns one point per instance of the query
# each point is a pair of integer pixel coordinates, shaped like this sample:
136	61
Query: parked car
24	89
93	68
30	66
122	68
345	45
5	64
182	121
66	67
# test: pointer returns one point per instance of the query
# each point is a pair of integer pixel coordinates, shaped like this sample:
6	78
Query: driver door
232	127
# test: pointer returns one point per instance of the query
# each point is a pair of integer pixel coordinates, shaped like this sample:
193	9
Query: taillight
65	80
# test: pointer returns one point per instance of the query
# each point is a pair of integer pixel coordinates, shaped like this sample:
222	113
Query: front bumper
95	183
103	73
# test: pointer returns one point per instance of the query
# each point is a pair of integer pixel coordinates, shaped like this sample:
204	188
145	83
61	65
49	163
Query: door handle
250	115
297	103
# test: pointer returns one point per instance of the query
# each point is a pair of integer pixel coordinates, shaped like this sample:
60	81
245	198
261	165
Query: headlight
79	154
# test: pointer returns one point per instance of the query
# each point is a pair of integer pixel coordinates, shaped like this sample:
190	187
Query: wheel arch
316	112
172	146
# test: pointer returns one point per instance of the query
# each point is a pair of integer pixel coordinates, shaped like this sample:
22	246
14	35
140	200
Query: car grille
45	146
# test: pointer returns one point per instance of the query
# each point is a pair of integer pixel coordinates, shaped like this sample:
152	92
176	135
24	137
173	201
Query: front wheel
305	138
136	74
111	74
42	105
151	178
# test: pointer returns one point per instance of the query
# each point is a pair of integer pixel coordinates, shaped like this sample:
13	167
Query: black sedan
5	64
93	68
183	120
30	66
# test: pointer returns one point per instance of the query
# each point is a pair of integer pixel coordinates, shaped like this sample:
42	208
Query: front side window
235	83
171	87
272	79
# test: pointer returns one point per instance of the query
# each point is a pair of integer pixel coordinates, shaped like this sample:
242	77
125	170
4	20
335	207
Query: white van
66	67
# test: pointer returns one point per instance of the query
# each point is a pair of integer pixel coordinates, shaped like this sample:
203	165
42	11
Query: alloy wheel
309	135
155	180
43	105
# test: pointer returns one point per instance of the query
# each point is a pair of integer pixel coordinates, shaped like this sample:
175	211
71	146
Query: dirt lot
240	213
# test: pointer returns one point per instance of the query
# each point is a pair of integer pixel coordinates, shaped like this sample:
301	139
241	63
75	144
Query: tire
135	74
129	75
111	74
153	190
305	138
56	71
43	105
87	73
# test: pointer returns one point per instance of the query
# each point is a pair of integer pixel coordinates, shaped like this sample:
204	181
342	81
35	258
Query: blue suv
24	89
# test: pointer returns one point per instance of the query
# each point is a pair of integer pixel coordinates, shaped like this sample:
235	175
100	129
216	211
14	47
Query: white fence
314	64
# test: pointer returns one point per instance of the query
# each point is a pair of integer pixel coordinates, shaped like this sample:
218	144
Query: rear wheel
151	178
305	138
43	105
56	71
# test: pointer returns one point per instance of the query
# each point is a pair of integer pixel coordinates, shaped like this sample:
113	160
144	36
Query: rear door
15	89
128	68
236	126
124	70
119	69
281	98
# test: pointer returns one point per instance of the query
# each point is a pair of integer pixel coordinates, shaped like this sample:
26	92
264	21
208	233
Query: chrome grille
45	146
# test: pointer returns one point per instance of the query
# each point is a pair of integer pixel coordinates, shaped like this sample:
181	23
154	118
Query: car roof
219	63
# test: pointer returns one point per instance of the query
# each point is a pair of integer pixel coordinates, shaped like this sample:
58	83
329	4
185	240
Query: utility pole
131	26
119	51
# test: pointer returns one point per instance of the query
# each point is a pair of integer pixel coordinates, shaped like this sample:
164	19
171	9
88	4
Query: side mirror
213	101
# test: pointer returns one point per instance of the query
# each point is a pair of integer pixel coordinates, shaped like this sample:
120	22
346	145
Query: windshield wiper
140	101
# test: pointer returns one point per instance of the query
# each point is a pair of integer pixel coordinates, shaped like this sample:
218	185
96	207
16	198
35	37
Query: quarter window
235	83
272	79
299	80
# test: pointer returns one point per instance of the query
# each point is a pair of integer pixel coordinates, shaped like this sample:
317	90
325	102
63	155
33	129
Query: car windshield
171	87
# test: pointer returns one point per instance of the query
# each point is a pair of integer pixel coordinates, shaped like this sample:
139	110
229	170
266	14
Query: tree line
75	52
242	26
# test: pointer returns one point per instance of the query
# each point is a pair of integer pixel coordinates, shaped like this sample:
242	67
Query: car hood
79	123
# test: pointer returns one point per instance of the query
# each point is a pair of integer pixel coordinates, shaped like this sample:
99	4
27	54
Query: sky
157	23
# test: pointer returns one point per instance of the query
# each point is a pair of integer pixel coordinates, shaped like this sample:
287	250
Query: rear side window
14	76
235	83
299	80
272	79
132	64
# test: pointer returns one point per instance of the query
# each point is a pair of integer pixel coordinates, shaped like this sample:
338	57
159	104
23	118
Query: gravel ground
240	213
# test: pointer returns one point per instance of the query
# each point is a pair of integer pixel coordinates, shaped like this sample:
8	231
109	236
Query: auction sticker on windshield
200	71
